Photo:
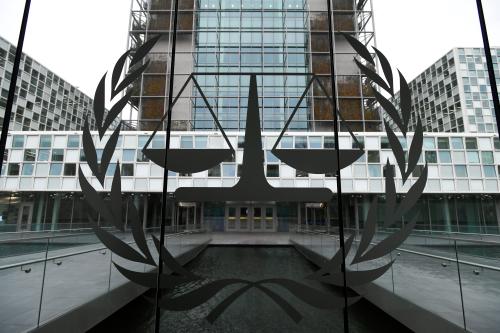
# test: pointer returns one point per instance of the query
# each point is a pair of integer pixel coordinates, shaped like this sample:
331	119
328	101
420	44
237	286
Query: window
373	156
229	170
28	169
460	171
487	157
314	142
446	171
13	169
384	143
186	142
29	155
272	170
329	142
445	156
429	143
55	169
489	171
18	141
270	157
417	172
111	169
200	141
473	156
73	141
300	142
57	155
69	169
457	143
45	141
443	143
374	170
430	157
470	143
128	155
127	169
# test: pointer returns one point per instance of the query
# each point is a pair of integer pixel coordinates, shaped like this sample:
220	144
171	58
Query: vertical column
55	211
446	215
40	208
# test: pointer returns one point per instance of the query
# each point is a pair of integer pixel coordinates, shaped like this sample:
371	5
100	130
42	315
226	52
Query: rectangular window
186	142
43	154
29	155
487	157
229	170
457	143
314	142
445	156
443	143
460	171
373	156
141	157
430	157
473	156
45	141
272	170
13	169
18	141
69	169
489	171
28	169
374	170
73	141
128	155
470	143
429	143
127	169
57	155
329	142
55	169
300	142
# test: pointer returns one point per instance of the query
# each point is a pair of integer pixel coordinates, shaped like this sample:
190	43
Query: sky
80	40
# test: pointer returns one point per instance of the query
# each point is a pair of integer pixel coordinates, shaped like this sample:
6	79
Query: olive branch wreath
330	270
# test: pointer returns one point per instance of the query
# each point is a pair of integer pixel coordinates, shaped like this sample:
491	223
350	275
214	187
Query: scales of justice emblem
253	186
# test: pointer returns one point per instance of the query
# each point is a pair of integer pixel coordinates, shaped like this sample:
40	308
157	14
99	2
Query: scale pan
317	161
188	160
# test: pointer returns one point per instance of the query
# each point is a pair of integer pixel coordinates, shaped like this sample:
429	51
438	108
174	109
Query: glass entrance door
186	216
25	216
317	217
250	218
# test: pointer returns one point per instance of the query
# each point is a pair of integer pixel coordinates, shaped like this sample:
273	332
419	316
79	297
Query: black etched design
252	186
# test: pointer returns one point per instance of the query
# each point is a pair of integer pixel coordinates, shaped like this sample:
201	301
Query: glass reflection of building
39	180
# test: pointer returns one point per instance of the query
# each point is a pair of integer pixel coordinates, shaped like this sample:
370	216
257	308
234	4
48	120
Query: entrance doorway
25	216
250	218
186	216
317	217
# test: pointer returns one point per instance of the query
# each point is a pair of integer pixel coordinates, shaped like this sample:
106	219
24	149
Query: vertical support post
13	81
489	62
165	170
337	151
460	283
55	211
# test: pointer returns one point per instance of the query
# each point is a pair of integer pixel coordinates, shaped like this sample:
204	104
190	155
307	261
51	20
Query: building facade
285	41
44	101
454	94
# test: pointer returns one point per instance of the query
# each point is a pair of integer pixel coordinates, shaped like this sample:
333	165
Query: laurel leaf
356	278
90	152
116	198
107	154
405	97
93	198
131	77
389	108
170	261
149	279
413	194
373	76
334	264
359	48
415	149
396	148
118	246
116	109
143	50
390	243
98	104
138	233
117	72
369	231
386	67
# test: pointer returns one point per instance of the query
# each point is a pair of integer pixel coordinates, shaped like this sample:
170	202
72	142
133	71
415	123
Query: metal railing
457	279
40	285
